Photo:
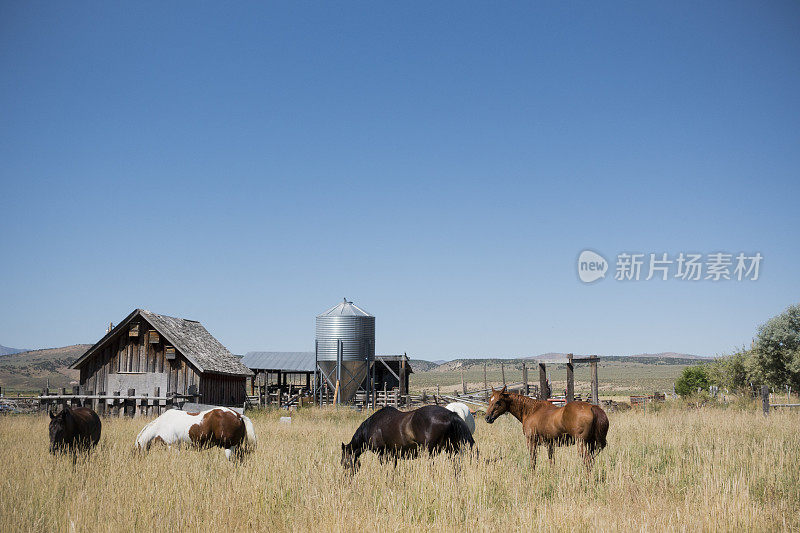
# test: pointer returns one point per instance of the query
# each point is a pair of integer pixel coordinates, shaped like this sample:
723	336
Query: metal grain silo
345	348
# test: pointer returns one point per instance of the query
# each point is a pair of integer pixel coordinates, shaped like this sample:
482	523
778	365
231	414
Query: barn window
153	337
134	330
169	352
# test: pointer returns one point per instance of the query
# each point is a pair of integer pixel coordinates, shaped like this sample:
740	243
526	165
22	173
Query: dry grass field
674	469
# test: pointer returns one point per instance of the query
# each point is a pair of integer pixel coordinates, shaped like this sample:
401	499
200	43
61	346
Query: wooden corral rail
766	403
382	398
116	404
280	396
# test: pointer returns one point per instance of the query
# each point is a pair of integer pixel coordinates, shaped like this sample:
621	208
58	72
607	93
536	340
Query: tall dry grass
676	469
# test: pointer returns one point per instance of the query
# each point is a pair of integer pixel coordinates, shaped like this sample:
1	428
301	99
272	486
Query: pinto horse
221	427
542	423
74	430
392	434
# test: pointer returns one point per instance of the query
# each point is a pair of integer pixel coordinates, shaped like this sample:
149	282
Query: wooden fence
767	405
129	404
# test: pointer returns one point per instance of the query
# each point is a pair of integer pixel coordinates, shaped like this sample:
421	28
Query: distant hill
419	365
5	350
30	370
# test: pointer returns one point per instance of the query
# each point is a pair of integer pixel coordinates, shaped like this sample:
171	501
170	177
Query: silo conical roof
345	308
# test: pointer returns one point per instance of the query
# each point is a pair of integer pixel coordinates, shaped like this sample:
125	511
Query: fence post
463	385
570	392
503	372
130	404
595	384
101	404
525	388
543	391
404	376
485	384
157	404
765	399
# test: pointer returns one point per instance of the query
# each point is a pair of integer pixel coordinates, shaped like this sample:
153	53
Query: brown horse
392	434
74	430
542	423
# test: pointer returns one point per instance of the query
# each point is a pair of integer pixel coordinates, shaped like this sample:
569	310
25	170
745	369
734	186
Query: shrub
730	372
692	379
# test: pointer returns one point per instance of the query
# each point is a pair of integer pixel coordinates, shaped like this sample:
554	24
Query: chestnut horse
220	427
74	430
392	434
543	423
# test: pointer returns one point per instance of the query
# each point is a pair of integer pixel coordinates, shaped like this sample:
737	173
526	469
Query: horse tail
250	433
459	433
599	426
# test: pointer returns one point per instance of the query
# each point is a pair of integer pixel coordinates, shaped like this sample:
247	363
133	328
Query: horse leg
587	450
238	453
533	443
551	449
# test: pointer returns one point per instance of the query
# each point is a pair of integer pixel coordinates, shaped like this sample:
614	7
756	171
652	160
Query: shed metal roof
286	361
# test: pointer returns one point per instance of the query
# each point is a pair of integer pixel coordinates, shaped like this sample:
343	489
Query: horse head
350	460
498	404
61	429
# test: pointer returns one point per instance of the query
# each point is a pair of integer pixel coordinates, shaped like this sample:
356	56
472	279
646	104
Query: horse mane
361	435
526	401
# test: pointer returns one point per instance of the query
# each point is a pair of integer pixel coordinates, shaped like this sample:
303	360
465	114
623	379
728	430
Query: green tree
775	356
730	372
692	378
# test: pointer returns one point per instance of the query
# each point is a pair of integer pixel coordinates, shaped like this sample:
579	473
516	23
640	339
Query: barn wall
217	389
126	362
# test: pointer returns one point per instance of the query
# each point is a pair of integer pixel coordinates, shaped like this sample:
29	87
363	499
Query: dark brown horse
542	423
74	430
392	434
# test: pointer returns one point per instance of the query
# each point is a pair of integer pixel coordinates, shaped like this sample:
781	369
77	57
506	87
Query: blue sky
249	165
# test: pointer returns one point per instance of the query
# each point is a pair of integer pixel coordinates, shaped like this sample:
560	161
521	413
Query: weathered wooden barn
163	356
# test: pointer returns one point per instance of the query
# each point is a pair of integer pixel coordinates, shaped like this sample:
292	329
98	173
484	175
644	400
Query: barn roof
396	359
286	361
189	337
